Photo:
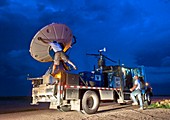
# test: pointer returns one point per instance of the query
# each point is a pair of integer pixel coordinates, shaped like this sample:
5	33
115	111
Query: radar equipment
53	32
101	59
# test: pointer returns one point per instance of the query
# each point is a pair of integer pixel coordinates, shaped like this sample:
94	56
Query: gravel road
109	112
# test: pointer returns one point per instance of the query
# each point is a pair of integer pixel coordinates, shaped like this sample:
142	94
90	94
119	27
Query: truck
83	91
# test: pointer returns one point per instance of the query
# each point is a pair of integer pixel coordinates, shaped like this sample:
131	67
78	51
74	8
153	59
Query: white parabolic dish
57	32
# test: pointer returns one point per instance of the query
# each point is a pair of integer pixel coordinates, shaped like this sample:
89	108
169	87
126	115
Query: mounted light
58	75
147	84
102	50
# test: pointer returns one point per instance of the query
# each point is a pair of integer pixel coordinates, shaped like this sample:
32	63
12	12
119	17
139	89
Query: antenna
102	50
52	32
101	58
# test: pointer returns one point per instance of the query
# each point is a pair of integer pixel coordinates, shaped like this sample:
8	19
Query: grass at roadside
161	104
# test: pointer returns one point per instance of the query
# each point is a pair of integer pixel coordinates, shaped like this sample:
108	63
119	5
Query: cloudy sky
135	31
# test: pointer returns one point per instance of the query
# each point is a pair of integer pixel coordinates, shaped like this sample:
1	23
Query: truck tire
90	102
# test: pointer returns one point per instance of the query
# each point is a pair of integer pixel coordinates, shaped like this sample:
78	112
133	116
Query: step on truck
84	91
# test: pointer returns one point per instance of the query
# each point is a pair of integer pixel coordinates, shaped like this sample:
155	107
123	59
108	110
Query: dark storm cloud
159	71
4	3
162	87
166	61
165	1
15	66
14	73
12	31
17	63
17	29
82	15
154	53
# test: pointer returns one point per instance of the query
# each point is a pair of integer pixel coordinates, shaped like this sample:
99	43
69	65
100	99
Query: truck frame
67	91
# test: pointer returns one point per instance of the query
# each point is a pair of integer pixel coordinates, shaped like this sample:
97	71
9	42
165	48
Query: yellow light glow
146	83
58	75
123	70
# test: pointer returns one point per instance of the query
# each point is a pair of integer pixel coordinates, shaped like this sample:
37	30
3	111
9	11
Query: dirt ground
109	112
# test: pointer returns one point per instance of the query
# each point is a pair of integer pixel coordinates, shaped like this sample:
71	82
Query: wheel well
81	93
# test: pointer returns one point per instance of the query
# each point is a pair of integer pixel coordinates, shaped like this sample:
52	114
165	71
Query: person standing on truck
136	91
59	54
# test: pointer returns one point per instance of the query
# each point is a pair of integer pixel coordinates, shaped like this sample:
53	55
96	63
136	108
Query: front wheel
90	102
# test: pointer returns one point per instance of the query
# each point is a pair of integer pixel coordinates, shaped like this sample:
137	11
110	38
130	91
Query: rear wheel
90	102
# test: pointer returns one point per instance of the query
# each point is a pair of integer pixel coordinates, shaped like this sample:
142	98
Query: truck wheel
90	102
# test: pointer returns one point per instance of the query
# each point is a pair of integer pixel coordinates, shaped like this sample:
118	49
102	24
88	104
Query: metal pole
121	81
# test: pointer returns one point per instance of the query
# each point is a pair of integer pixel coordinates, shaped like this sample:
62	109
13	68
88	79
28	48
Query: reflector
57	32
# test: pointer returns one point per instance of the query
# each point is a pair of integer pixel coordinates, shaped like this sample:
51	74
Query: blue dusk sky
135	31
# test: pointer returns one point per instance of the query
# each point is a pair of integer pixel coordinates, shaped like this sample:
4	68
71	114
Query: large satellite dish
57	32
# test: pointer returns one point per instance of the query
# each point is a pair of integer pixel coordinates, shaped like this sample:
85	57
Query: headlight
147	84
